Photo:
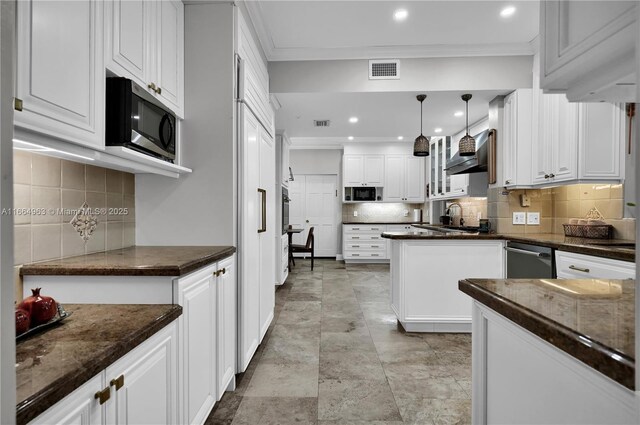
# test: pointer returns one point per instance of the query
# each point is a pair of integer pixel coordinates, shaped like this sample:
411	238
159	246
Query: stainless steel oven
285	210
526	261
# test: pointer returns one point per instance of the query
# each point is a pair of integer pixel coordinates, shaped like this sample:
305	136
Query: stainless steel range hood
471	164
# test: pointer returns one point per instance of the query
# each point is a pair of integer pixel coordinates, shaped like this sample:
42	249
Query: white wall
433	74
199	208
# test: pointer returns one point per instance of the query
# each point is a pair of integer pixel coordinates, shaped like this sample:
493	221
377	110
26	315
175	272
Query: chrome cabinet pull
579	269
524	251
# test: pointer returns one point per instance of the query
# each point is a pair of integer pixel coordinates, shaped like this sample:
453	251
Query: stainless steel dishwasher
529	261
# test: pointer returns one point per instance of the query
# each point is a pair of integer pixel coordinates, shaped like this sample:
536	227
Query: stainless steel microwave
137	120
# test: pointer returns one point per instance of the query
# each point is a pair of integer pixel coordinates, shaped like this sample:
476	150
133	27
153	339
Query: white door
296	208
226	309
314	202
320	205
267	233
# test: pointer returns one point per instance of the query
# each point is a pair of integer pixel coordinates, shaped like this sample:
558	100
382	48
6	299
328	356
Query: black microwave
364	194
137	120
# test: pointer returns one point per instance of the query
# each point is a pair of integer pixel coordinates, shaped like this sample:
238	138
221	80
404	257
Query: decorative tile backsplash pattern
560	204
378	211
53	190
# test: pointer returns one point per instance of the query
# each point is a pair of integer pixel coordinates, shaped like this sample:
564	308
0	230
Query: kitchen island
550	351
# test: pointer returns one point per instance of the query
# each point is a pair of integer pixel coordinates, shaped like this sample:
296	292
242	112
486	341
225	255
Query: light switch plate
533	218
519	217
355	213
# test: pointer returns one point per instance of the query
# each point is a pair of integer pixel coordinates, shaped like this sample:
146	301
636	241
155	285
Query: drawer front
578	266
364	254
357	237
356	228
368	246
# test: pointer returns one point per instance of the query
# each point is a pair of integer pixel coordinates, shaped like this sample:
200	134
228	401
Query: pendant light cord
421	117
467	114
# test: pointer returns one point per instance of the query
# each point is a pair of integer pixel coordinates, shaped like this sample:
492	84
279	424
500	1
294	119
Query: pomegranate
40	308
22	321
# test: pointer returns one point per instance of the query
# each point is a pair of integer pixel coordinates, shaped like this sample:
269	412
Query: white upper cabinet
60	70
363	170
404	179
555	140
145	42
516	139
602	141
588	49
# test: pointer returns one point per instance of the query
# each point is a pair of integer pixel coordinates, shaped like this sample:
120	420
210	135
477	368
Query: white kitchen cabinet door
147	392
564	148
170	54
78	408
374	170
226	335
60	76
197	296
515	157
267	259
414	179
353	170
543	136
394	183
129	39
602	141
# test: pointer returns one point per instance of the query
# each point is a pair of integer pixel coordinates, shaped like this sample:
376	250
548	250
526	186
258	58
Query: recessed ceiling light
350	137
400	15
458	114
437	130
400	137
353	120
507	11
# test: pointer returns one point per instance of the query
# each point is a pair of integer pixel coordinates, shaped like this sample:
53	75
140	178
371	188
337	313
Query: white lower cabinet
284	259
570	265
197	295
364	242
226	346
139	388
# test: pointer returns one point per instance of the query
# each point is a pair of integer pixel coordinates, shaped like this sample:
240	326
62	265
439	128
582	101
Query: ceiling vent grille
386	69
321	123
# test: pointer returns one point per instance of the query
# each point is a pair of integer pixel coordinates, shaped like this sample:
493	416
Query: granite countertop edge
31	407
48	269
611	363
383	222
597	250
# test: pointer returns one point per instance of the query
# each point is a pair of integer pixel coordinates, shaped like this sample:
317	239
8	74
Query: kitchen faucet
455	204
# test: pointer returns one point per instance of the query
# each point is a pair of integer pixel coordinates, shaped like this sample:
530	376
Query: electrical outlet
406	213
533	218
355	213
519	217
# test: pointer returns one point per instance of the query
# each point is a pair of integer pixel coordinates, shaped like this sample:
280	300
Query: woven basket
593	231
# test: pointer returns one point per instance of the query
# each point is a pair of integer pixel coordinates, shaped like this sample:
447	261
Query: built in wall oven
285	210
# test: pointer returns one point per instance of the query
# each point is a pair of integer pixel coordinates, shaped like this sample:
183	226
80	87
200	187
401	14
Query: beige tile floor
335	355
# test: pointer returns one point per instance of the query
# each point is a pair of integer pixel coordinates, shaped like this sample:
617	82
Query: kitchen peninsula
553	351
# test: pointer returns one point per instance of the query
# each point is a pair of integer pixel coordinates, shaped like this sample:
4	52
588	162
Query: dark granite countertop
134	261
609	248
383	222
52	364
593	320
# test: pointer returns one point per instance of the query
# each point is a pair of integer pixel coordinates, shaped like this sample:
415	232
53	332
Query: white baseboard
339	257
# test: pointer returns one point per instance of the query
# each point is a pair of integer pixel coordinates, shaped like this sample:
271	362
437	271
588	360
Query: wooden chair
308	248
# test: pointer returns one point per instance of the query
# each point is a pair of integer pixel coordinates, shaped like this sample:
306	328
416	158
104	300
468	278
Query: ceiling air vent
386	69
321	123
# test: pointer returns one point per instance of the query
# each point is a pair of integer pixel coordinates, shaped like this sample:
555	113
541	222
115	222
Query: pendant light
467	145
421	145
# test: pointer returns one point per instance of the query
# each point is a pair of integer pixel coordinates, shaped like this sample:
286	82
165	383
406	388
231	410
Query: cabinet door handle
546	176
551	175
103	395
356	255
375	255
159	90
152	86
355	228
17	104
118	382
507	182
263	215
224	270
375	246
355	246
579	269
355	237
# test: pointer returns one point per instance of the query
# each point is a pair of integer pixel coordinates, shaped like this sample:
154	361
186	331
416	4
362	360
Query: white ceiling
305	29
382	117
